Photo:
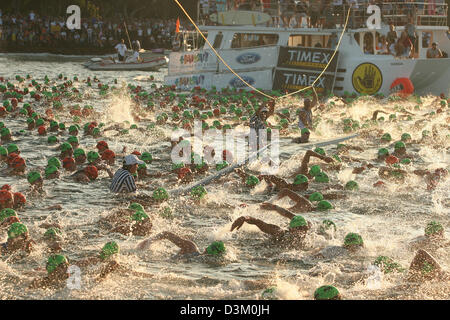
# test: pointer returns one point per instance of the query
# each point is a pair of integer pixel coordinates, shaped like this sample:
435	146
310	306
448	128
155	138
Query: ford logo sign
237	83
248	58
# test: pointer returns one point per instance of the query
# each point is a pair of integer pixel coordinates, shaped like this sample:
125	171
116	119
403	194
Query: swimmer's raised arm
270	229
186	246
282	211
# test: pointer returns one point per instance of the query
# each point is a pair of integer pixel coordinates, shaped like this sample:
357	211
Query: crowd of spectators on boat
323	13
37	31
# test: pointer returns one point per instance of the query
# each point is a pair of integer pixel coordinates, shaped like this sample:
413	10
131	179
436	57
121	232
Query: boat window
426	39
218	40
297	41
368	43
248	40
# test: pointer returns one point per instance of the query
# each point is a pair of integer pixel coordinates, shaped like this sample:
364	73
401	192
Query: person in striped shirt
123	180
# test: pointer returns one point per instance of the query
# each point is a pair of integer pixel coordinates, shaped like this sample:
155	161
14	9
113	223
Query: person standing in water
305	119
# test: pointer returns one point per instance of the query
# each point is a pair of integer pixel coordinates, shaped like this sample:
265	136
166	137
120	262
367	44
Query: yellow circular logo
367	78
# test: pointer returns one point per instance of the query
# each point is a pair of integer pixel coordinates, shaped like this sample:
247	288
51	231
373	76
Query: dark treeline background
128	9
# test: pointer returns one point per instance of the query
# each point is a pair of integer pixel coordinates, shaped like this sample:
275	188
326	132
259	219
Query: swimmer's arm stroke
282	211
267	228
186	246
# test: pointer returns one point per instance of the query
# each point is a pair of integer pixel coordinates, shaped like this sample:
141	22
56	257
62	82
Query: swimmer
424	267
187	247
79	156
432	239
302	205
57	273
18	239
303	169
36	182
294	235
107	255
86	175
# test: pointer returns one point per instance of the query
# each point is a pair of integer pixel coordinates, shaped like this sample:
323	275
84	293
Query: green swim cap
324	205
109	249
353	239
327	293
54	162
52	233
387	264
5	132
52	139
298	221
316	196
50	170
73	128
92	156
322	177
136	207
300	178
16	229
3	151
216	248
399	145
251	181
198	192
72	139
305	131
406	161
8	212
142	166
53	124
39	122
139	215
352	186
65	147
406	137
55	261
315	170
386	137
160	194
337	158
78	152
33	176
383	152
434	228
62	126
12	148
147	157
319	151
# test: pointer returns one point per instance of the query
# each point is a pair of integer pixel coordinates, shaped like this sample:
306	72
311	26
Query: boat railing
431	13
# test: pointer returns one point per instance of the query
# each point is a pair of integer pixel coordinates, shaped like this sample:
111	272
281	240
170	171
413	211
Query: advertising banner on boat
206	60
192	61
187	82
259	79
263	57
292	80
303	58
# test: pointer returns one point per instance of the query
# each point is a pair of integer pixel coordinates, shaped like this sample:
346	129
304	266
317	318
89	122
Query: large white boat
289	59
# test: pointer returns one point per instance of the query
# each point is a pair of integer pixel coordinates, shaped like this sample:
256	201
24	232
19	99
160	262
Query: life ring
402	87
